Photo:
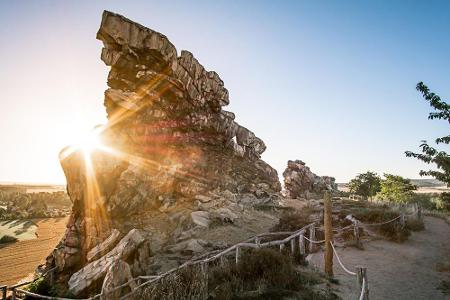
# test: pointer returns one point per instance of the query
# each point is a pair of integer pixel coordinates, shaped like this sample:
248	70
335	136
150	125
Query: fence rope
314	242
378	224
363	288
340	262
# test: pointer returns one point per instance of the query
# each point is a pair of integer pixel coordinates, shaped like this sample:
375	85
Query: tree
366	184
429	154
396	188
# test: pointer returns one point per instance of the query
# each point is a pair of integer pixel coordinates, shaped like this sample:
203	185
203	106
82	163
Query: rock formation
172	163
300	182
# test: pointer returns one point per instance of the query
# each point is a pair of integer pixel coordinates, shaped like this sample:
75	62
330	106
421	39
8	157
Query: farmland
20	259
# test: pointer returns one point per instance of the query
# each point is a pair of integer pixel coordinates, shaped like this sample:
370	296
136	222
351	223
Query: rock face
171	159
300	182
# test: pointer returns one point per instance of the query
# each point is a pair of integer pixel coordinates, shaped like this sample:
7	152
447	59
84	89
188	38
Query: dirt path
18	260
398	271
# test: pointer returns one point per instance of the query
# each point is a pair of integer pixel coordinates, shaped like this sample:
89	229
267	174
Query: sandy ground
19	260
398	271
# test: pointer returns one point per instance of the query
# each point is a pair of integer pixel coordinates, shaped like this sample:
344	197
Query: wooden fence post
361	274
238	254
204	270
402	220
301	243
13	293
4	291
312	237
327	221
293	246
281	247
258	242
356	233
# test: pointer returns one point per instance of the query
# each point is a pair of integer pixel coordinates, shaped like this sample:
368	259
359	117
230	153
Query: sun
90	143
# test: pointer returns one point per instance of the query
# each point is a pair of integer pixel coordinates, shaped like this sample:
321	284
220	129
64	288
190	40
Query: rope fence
293	239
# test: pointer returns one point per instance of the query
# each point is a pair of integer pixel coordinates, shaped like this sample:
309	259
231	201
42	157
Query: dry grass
20	259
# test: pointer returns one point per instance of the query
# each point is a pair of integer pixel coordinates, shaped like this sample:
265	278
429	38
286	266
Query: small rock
201	218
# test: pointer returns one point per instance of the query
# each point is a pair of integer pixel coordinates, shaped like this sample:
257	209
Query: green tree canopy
429	154
396	188
366	184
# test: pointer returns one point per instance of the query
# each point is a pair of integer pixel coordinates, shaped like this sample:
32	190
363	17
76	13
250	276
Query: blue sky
331	83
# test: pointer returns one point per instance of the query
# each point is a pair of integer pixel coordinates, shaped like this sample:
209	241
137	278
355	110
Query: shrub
293	220
8	239
188	283
39	286
392	231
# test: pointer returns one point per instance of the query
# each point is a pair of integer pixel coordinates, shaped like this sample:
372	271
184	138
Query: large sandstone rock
82	279
168	150
300	182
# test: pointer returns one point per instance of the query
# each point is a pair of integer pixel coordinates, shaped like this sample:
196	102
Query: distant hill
422	183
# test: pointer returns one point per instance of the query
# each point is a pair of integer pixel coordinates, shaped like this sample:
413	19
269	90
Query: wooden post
4	291
402	220
222	260
281	247
238	254
301	243
258	242
293	246
13	294
327	222
361	274
312	237
204	270
356	233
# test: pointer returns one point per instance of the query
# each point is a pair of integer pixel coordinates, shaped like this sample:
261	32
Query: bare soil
408	270
19	260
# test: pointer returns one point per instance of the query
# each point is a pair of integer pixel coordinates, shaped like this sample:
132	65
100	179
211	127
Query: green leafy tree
366	184
396	188
429	154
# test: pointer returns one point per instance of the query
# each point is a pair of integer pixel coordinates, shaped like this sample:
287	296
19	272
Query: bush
392	231
293	220
8	239
188	283
263	274
39	286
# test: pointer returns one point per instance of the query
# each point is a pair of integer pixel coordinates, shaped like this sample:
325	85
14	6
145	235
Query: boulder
119	272
300	182
167	146
93	271
201	218
101	249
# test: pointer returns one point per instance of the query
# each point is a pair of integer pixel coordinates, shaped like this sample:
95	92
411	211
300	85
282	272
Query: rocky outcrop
172	163
96	270
300	182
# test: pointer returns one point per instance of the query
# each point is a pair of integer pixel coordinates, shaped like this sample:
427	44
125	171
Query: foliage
431	155
7	239
396	188
263	274
293	220
23	205
39	286
443	202
366	184
373	214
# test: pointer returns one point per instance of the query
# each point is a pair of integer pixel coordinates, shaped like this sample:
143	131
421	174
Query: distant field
19	260
21	229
